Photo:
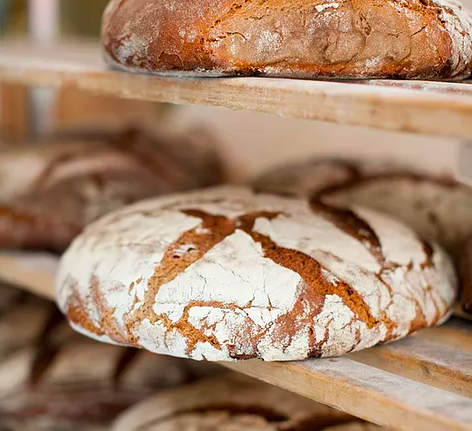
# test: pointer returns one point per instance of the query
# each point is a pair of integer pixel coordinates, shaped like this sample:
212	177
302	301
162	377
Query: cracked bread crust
224	275
436	208
422	201
429	39
230	404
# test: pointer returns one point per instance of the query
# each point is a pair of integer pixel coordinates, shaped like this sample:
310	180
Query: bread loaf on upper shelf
429	39
50	191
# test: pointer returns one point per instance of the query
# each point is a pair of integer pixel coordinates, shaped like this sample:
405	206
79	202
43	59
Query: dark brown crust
289	38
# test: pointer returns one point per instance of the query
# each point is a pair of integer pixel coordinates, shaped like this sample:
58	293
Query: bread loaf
231	404
224	274
52	379
427	39
50	191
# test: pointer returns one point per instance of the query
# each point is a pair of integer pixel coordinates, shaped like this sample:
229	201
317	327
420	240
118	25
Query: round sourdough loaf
230	404
224	274
290	38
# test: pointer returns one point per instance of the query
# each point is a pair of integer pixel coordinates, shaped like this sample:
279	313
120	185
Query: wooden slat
429	362
30	271
422	107
367	392
456	333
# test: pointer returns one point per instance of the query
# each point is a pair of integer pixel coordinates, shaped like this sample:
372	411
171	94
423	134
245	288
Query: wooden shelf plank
367	392
411	106
420	383
33	272
425	361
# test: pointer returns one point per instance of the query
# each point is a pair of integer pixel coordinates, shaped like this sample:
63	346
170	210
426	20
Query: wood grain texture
421	107
425	361
367	392
438	357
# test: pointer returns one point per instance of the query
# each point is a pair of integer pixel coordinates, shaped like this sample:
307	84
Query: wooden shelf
33	272
411	106
423	382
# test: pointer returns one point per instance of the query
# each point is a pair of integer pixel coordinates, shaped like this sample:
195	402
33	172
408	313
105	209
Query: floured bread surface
230	404
436	208
427	39
224	274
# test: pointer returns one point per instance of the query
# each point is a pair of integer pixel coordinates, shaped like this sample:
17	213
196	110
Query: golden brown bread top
292	38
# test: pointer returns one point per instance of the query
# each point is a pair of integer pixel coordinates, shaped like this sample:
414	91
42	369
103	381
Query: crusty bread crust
224	275
421	200
435	207
291	38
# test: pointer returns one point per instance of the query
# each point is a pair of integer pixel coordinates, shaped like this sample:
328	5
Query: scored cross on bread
226	274
436	207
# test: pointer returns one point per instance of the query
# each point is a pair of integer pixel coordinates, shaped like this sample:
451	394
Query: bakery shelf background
423	382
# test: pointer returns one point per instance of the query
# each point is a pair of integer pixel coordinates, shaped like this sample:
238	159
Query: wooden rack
423	382
442	109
